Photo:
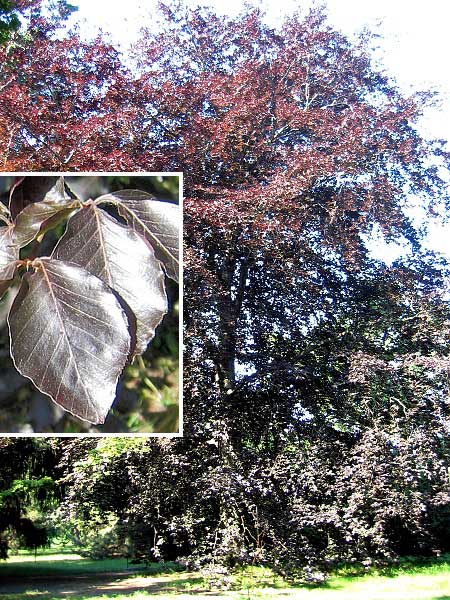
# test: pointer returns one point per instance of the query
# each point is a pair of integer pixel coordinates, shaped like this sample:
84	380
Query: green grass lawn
50	578
58	564
66	562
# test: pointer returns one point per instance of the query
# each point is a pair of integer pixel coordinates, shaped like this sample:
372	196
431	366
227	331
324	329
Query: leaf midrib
47	279
103	245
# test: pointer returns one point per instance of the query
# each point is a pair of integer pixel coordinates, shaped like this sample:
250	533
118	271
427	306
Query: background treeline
316	379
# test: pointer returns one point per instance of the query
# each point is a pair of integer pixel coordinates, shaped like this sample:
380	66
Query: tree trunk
233	277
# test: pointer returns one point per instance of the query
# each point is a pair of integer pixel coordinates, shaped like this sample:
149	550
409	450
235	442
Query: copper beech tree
305	360
292	145
84	312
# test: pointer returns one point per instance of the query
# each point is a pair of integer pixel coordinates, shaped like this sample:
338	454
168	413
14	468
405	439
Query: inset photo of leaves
89	307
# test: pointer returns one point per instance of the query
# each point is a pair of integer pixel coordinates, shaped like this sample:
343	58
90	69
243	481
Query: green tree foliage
9	20
25	482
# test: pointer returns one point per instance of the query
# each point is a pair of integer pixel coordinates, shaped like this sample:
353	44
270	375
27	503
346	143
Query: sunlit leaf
37	218
70	336
121	258
158	222
9	253
5	215
36	188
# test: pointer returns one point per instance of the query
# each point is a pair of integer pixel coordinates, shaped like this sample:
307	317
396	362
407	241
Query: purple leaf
158	222
118	256
37	188
9	255
70	336
37	218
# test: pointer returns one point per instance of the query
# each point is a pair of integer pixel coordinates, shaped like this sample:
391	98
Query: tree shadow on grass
81	586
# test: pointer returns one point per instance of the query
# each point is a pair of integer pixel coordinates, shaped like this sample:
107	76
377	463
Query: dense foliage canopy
316	379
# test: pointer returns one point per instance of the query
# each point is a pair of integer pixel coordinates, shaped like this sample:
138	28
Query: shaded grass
49	563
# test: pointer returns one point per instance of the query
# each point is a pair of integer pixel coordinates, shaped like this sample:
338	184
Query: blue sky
414	47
